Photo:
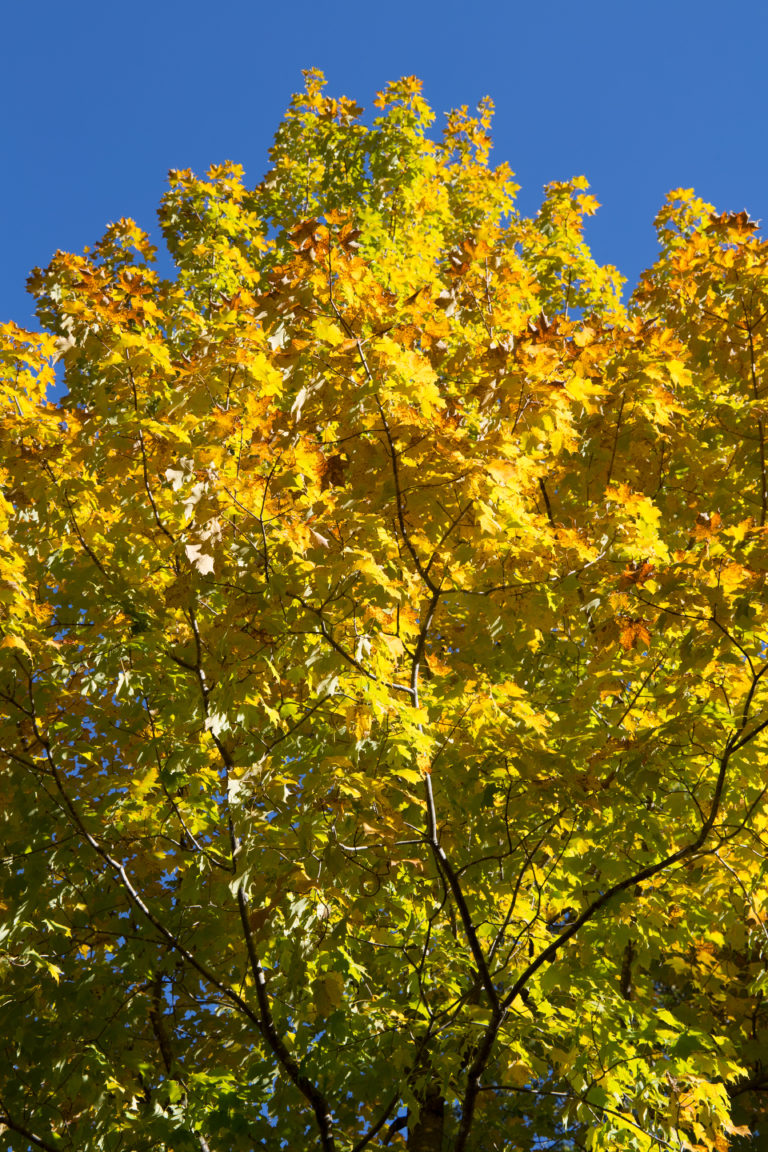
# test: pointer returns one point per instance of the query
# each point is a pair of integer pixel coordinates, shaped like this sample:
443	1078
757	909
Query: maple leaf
196	556
632	632
636	573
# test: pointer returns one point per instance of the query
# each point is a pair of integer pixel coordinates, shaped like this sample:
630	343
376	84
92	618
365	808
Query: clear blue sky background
101	97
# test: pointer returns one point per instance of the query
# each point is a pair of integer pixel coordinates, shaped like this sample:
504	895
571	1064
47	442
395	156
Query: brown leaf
636	573
632	631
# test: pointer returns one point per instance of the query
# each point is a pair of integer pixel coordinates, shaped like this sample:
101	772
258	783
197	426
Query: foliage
383	666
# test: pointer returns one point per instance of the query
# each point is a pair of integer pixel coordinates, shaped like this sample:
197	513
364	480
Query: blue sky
101	98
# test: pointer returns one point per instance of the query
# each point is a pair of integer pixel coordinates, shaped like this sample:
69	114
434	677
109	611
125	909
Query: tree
383	667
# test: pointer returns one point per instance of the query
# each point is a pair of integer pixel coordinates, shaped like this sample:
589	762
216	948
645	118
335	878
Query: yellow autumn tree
383	666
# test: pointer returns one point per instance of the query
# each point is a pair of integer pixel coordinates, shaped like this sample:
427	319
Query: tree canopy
383	666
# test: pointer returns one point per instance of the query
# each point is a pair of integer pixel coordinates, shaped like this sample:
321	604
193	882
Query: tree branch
22	1130
307	1088
734	742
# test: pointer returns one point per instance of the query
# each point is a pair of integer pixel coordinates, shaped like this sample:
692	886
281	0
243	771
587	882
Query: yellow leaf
140	788
55	971
410	775
328	992
328	332
16	643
